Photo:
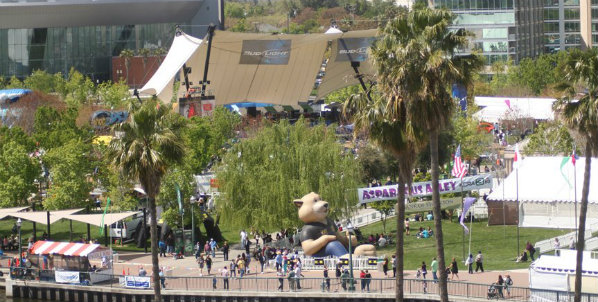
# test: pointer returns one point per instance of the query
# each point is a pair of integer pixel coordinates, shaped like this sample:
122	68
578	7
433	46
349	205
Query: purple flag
466	205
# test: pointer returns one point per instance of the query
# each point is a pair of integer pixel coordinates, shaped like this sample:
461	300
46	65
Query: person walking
508	284
241	266
434	266
162	248
530	249
407	226
213	247
338	270
326	278
454	269
424	269
200	263
394	266
162	278
278	260
280	276
262	259
469	264
362	279
233	268
368	279
479	262
209	264
225	274
385	266
225	249
298	274
499	285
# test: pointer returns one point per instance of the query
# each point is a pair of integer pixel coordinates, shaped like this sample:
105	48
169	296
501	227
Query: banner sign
428	205
353	49
67	277
207	107
137	282
482	181
266	52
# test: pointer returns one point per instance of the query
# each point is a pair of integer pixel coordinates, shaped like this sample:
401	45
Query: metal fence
322	285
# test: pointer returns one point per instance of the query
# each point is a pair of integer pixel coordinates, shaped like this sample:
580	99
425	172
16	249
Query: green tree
14	82
417	62
149	146
54	128
113	94
343	94
466	133
384	207
70	167
42	81
551	139
577	110
240	26
260	176
17	173
167	198
127	54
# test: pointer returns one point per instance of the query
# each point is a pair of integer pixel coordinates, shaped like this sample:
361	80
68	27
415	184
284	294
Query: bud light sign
353	49
266	52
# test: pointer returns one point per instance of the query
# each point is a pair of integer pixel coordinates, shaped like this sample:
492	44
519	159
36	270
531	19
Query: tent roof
96	219
495	109
565	263
63	248
8	211
340	73
42	216
542	180
182	48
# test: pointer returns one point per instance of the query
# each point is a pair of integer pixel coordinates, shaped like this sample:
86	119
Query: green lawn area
497	243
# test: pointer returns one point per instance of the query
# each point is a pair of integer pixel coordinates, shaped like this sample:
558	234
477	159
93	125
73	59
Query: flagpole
575	192
518	208
462	215
470	231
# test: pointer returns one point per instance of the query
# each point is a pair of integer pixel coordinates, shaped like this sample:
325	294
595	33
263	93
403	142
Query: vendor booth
552	277
77	263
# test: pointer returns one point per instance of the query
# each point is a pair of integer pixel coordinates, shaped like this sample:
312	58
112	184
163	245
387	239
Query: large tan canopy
263	68
96	219
351	46
8	211
42	216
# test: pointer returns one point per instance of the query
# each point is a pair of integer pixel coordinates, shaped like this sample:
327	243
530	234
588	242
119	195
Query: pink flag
466	205
508	102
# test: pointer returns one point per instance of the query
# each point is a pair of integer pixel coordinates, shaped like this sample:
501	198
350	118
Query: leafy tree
466	133
69	167
113	94
17	173
385	208
77	89
53	128
18	136
417	62
259	177
14	82
234	10
577	110
343	94
373	162
240	26
551	138
167	198
149	146
44	82
127	54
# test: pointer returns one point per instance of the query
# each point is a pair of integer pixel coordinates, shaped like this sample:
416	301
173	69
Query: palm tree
390	132
149	145
127	54
416	61
579	111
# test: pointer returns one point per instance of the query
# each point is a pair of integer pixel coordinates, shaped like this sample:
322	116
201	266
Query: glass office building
56	35
502	29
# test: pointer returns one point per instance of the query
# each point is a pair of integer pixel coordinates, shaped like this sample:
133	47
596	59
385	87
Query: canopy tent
8	211
63	248
12	95
347	49
546	194
97	219
495	109
42	216
557	273
182	48
263	68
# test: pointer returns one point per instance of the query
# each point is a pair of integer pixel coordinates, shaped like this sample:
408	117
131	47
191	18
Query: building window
571	13
551	14
572	27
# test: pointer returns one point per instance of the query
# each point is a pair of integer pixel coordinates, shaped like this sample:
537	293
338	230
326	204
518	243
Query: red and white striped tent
63	248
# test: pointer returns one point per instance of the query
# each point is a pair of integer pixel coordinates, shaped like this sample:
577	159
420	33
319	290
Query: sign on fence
137	282
67	277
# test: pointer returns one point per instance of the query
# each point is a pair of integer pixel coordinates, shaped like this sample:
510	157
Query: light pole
351	280
192	200
19	222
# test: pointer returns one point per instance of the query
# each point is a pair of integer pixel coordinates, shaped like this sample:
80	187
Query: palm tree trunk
154	245
442	282
400	239
582	220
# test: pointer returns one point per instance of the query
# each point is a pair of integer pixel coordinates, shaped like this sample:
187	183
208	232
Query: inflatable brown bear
320	236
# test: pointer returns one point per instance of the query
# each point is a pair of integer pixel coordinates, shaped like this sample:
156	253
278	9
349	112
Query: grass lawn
497	243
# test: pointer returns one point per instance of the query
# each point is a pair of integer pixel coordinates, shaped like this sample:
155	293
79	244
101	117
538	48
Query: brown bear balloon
320	236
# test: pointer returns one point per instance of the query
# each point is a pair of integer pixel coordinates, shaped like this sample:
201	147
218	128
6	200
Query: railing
547	245
331	285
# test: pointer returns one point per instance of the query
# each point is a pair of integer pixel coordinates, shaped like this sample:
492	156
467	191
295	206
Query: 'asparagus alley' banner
482	181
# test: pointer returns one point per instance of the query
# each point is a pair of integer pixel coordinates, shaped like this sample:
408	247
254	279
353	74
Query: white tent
42	216
183	47
494	109
546	193
557	273
98	219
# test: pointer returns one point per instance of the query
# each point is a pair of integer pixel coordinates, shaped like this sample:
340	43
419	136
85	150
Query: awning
42	216
182	48
8	211
63	248
96	219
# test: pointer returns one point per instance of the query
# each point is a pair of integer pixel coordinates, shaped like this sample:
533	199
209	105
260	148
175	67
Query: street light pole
19	222
351	280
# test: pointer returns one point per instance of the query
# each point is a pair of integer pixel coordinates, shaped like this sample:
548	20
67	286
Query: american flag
574	157
458	166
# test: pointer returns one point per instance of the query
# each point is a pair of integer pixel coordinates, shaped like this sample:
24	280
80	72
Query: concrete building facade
55	35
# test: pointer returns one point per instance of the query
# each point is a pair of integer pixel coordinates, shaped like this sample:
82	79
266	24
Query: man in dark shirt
315	230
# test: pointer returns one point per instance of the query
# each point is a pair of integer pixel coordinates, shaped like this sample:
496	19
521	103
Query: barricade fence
323	285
